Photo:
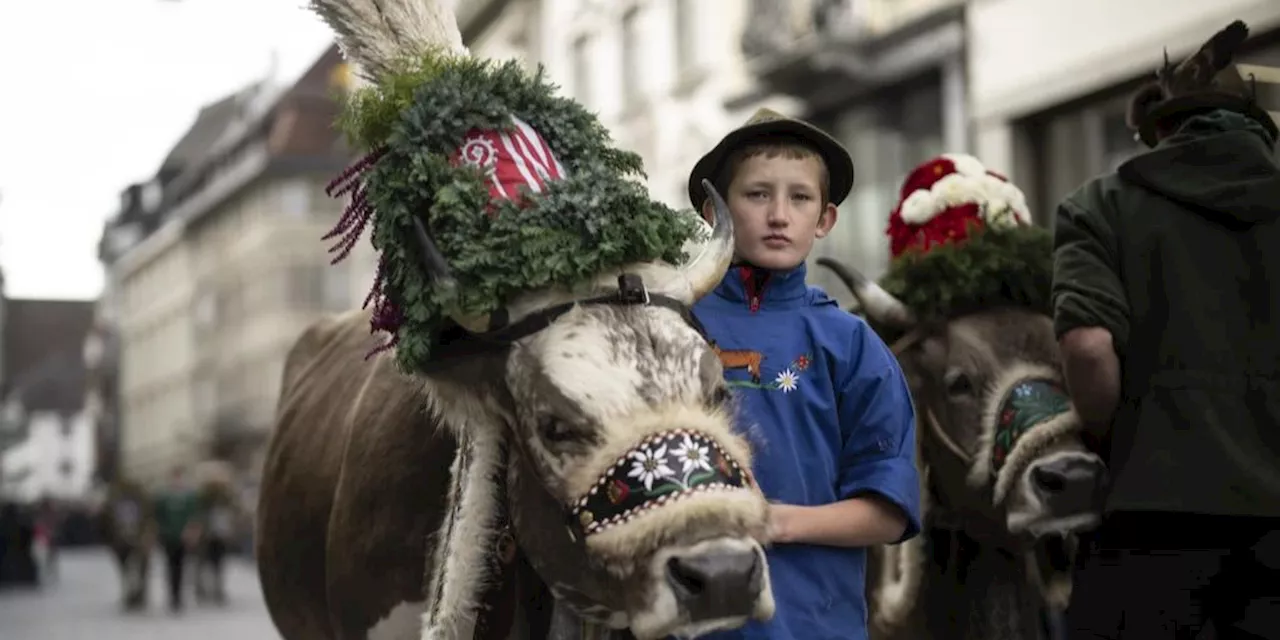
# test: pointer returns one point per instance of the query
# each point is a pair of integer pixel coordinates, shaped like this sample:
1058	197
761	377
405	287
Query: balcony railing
812	48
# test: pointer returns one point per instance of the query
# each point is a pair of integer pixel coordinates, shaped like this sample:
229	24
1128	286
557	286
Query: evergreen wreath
598	218
993	266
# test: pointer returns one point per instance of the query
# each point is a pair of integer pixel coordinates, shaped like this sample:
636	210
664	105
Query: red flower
802	363
618	491
951	225
722	466
925	175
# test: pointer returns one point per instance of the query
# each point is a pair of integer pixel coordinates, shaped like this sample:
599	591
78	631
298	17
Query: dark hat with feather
1206	81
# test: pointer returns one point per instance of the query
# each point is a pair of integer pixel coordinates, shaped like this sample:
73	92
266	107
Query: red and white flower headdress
943	199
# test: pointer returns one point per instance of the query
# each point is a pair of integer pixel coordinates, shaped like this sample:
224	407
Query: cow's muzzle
716	583
1067	483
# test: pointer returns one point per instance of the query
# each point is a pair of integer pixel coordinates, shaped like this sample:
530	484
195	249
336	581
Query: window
206	311
582	69
631	89
319	287
337	289
306	287
151	196
686	35
1075	146
295	198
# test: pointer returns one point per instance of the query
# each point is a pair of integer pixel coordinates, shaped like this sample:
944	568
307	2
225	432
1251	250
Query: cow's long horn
707	270
437	269
879	305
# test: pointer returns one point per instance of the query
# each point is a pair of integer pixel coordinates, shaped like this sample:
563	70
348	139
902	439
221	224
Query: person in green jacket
177	513
1166	302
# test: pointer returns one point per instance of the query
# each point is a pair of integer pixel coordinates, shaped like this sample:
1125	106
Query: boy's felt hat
766	123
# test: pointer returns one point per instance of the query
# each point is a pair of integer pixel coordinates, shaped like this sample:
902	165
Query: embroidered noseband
1027	404
662	469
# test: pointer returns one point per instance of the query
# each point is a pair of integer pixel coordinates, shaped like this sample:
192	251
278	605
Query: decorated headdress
1205	81
961	239
479	181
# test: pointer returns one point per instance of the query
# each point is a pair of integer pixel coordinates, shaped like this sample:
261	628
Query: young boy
827	408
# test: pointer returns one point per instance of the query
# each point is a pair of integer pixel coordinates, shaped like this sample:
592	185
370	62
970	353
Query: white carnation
966	165
919	207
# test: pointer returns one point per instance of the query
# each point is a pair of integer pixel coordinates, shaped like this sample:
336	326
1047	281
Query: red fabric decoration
514	159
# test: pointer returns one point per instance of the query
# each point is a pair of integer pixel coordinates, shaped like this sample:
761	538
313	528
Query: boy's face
777	210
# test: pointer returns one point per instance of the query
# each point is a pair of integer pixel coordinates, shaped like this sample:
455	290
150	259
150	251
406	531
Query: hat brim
839	164
1201	102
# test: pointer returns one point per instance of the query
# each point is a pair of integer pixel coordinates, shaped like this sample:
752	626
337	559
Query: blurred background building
215	265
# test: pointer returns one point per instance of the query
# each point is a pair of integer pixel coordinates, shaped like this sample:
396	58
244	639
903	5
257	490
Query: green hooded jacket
1178	255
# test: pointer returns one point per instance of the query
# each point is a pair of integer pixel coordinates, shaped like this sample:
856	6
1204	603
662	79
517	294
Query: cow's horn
437	269
707	270
878	304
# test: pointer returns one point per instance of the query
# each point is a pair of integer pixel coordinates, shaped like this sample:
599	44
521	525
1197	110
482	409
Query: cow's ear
466	383
928	354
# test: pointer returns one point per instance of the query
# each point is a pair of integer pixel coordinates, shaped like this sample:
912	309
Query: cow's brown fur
374	488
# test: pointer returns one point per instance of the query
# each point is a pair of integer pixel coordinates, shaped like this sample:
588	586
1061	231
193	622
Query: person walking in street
177	511
48	529
128	526
1166	297
220	515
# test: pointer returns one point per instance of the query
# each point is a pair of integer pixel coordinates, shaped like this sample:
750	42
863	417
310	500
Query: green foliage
597	219
992	268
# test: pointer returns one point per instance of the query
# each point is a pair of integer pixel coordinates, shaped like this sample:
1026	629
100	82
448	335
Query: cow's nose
716	584
1068	483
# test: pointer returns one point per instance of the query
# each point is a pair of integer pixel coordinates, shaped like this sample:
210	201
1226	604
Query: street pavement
84	605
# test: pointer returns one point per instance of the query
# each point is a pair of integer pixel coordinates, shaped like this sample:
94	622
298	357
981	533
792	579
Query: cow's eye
958	383
557	431
719	396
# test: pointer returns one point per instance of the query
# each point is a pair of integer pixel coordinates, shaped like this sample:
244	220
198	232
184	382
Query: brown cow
605	436
1003	497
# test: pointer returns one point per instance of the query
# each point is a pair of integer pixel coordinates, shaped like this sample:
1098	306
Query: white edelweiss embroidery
692	456
787	381
649	465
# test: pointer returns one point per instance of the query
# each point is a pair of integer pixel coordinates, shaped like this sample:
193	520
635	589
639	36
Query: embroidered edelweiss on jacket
786	380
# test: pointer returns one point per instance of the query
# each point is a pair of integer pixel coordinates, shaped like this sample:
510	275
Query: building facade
51	448
1049	82
209	298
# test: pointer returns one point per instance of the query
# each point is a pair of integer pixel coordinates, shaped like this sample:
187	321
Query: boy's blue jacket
829	417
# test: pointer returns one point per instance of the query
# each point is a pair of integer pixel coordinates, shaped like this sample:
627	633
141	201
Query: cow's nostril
1048	481
685	576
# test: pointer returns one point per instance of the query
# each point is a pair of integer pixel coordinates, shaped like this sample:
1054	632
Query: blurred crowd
190	526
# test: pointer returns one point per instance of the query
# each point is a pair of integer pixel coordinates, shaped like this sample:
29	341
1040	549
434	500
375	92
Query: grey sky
93	94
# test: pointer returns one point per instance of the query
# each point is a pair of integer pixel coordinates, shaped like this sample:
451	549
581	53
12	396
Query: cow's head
630	493
1000	438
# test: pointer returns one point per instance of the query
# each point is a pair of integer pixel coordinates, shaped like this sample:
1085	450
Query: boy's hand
857	522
